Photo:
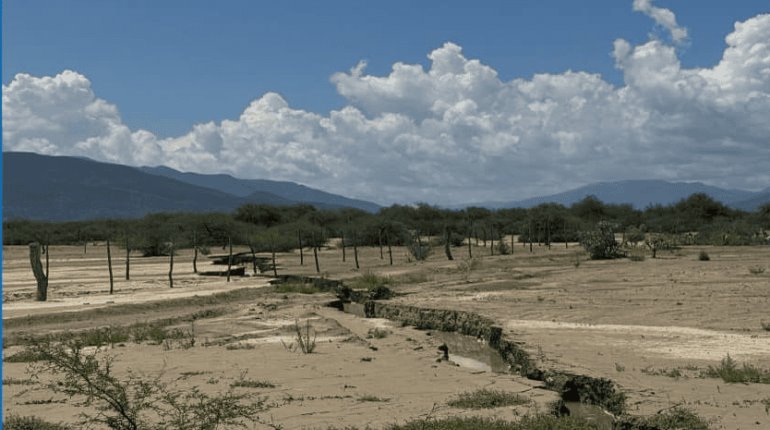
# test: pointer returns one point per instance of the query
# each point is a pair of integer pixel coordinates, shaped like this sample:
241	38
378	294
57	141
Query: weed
636	257
377	333
729	371
14	381
239	345
372	398
296	287
24	356
251	383
672	419
765	325
756	270
304	343
703	256
16	422
487	399
619	367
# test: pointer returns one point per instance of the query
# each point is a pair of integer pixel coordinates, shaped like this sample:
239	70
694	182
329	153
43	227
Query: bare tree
109	264
171	266
315	254
355	248
229	257
447	239
37	269
301	254
195	252
343	245
128	259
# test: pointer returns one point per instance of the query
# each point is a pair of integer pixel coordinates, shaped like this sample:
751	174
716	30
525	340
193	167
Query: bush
601	243
703	256
487	399
135	403
419	251
16	422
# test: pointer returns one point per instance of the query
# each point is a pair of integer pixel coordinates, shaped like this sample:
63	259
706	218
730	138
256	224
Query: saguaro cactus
37	269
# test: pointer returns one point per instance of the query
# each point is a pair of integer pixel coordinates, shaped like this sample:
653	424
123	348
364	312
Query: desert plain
653	326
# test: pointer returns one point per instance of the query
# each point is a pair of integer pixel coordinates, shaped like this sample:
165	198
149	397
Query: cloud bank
454	132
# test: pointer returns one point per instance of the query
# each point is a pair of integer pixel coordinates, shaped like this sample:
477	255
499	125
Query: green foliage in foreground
487	399
538	422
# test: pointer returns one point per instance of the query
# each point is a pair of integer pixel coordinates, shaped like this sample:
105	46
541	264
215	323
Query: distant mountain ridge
640	194
50	188
246	187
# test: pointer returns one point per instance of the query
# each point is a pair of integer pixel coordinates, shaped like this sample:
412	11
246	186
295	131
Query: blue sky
170	64
444	102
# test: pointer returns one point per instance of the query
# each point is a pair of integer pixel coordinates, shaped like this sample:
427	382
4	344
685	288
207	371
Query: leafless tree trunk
272	251
253	259
229	257
171	267
128	259
301	254
355	249
548	232
470	247
315	255
379	240
390	250
37	269
109	264
492	243
484	236
447	249
343	245
513	235
195	252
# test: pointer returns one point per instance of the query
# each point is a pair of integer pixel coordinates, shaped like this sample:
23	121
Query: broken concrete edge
572	387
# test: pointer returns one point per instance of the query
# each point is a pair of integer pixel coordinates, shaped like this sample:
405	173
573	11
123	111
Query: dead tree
253	259
272	251
470	246
301	254
37	269
492	243
128	259
109	264
171	266
343	245
447	249
548	232
513	236
355	249
195	252
315	255
229	257
390	250
379	241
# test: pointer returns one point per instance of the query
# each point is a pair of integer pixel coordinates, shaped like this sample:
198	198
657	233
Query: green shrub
600	243
729	371
487	399
703	256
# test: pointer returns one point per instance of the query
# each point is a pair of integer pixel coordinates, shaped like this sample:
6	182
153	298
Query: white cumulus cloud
453	131
663	17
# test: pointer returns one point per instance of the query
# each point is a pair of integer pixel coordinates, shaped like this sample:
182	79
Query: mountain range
61	188
641	194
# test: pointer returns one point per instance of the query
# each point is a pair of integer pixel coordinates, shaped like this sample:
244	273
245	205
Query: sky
443	102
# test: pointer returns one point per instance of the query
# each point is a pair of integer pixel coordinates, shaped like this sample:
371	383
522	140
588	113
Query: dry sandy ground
629	321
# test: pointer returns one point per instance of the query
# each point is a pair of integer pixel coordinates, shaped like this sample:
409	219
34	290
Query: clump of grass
636	257
377	333
729	371
765	325
251	383
756	270
15	381
538	422
303	342
24	356
672	419
487	399
675	372
239	345
17	422
372	398
296	287
703	256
